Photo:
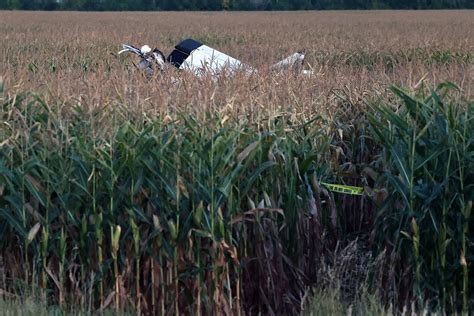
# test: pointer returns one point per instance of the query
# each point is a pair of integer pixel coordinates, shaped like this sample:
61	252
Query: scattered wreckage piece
195	57
148	57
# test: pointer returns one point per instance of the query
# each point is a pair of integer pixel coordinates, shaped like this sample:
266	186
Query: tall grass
163	213
218	214
427	162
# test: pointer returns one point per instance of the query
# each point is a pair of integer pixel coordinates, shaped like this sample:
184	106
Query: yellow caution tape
345	189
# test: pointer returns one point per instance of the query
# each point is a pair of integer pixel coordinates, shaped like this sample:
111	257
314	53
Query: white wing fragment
291	62
205	59
131	49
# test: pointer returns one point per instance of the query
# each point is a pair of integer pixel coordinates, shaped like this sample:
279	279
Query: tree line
215	5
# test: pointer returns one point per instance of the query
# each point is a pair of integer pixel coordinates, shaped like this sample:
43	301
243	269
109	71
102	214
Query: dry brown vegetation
194	196
72	55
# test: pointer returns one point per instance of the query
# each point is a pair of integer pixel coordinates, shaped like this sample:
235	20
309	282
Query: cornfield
157	196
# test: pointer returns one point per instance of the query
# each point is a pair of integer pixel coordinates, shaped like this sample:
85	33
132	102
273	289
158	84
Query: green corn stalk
417	258
136	247
115	246
84	262
159	242
466	213
29	239
100	255
44	258
62	264
23	215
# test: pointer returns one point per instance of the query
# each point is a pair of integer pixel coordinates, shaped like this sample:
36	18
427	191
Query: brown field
72	55
181	196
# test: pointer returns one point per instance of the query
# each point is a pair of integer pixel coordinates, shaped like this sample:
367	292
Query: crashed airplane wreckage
199	59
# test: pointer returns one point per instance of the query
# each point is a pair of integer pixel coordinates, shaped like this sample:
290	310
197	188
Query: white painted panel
206	59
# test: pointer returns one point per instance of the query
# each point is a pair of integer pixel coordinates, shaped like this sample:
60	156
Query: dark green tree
10	4
212	5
